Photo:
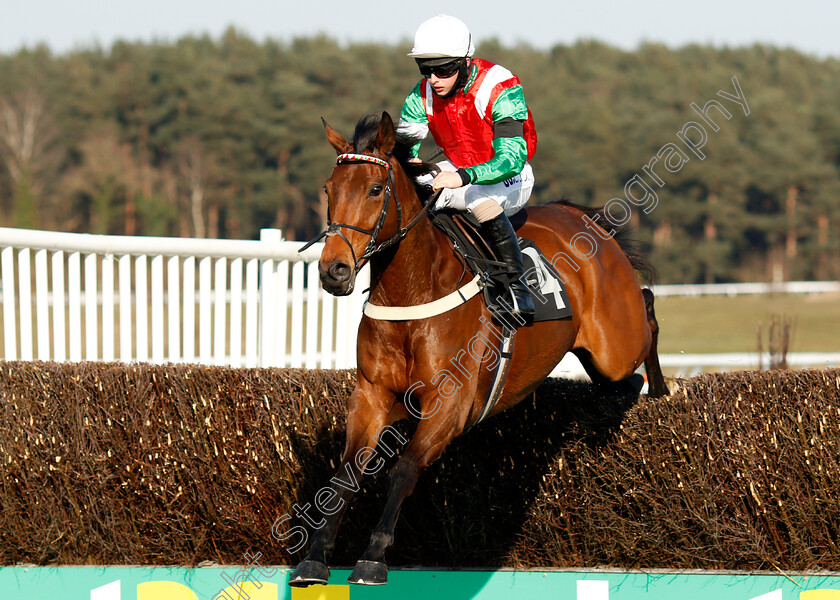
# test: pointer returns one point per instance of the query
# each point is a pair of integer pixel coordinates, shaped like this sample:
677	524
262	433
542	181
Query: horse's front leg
432	436
368	419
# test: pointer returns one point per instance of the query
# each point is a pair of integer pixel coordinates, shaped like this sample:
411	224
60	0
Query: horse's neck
421	269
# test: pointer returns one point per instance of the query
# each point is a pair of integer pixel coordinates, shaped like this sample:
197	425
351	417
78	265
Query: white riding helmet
442	36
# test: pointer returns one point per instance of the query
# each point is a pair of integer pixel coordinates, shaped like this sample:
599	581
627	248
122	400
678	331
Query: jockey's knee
486	210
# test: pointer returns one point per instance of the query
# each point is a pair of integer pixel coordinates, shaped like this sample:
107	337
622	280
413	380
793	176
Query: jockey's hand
414	159
447	179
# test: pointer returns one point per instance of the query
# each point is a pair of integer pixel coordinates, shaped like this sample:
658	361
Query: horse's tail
623	236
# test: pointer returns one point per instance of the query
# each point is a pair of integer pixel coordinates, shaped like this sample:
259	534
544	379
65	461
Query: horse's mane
364	140
631	247
367	130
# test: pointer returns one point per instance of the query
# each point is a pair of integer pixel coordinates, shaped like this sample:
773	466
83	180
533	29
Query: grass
708	324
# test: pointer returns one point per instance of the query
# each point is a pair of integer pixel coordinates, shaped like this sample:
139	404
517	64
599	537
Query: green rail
161	583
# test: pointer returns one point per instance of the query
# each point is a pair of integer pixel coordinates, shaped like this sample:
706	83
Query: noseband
372	247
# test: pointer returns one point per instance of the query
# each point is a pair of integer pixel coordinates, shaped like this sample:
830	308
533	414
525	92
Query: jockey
477	115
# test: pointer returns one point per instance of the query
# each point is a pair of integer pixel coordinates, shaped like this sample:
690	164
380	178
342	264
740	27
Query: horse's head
365	214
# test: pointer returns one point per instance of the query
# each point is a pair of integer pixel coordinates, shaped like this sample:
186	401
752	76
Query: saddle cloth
547	288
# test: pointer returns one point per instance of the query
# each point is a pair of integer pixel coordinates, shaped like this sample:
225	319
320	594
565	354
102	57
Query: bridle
373	246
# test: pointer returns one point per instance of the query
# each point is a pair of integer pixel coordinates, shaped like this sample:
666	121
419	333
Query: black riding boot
500	234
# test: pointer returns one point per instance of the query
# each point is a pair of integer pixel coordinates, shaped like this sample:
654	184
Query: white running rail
688	365
738	289
80	297
226	302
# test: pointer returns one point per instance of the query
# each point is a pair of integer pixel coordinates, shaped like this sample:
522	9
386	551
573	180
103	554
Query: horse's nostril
339	271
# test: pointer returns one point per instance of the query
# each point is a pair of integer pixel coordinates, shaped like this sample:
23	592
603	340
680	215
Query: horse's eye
375	190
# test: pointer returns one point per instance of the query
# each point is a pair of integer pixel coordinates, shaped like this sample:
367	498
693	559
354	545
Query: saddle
545	284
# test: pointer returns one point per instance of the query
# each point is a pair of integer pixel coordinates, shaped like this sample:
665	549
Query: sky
810	26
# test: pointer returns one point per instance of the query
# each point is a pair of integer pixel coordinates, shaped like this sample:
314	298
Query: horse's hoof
310	572
369	572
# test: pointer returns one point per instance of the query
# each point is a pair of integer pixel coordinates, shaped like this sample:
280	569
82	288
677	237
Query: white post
189	309
59	318
7	262
236	313
173	290
205	322
42	305
297	315
252	332
281	314
108	323
126	353
158	330
141	308
25	292
313	288
74	293
220	309
268	299
91	309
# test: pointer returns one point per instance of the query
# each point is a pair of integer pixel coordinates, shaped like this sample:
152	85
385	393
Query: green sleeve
509	153
509	156
511	105
413	125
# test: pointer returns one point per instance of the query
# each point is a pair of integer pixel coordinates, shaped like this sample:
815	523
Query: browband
342	158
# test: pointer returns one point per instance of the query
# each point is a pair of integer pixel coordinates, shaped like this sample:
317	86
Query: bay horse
408	367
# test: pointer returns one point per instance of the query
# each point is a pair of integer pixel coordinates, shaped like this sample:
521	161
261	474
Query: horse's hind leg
656	382
630	385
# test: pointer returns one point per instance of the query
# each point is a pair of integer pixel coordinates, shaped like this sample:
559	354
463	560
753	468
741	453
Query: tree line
222	137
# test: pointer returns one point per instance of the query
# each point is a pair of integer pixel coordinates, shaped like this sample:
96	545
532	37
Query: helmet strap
463	73
463	76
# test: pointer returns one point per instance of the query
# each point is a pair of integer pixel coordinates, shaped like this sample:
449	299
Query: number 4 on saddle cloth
547	289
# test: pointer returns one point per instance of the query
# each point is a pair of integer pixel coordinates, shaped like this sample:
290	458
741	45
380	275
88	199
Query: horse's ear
338	142
385	142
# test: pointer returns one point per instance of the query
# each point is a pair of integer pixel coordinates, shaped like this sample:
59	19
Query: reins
390	188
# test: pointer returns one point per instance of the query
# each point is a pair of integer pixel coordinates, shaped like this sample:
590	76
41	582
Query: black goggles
443	71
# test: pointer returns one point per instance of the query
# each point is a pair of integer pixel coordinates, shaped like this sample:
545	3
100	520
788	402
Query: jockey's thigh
512	194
